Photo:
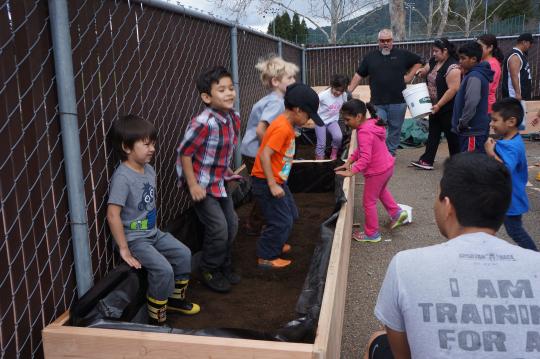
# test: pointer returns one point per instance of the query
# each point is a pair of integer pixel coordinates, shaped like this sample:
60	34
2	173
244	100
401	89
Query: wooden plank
74	342
312	161
328	340
61	320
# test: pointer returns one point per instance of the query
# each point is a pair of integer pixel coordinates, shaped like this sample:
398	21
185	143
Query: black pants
440	123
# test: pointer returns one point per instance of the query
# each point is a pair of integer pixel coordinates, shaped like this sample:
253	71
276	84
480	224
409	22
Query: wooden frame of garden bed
61	341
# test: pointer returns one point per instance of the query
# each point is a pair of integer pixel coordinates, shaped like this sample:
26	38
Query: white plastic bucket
408	209
418	100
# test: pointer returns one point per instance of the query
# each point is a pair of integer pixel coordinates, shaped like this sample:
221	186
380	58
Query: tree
299	29
397	16
514	8
468	12
318	11
305	32
282	26
444	16
437	12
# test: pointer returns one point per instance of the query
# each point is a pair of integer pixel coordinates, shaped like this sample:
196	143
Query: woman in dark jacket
443	77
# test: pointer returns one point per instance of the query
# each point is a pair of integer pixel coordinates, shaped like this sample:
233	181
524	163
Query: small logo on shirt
491	257
147	198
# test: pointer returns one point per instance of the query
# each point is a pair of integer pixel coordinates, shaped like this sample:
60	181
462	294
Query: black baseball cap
526	37
304	97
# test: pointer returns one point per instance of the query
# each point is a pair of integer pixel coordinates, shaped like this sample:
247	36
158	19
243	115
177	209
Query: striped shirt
210	140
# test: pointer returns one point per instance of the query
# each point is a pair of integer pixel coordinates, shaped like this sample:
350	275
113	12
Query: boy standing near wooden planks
204	157
271	170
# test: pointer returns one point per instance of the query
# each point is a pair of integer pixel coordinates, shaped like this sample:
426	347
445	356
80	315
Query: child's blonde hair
275	67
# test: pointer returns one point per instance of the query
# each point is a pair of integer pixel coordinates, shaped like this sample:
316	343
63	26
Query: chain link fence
323	62
36	276
127	58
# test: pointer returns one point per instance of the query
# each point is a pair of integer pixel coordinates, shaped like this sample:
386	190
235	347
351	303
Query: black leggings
440	123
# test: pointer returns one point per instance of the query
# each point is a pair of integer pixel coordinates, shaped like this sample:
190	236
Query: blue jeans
220	228
394	115
165	259
515	230
279	215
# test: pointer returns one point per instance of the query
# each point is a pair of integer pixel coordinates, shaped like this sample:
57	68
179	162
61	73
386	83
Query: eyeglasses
385	41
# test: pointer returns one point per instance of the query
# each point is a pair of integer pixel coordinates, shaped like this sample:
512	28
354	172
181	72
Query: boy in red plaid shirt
204	156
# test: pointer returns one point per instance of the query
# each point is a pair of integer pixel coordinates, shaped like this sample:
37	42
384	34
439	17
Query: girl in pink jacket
375	162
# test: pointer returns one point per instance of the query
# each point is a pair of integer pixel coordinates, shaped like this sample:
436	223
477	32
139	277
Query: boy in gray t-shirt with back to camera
131	214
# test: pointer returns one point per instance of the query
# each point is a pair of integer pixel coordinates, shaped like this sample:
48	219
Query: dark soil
265	300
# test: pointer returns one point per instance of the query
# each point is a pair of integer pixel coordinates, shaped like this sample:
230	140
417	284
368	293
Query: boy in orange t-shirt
271	170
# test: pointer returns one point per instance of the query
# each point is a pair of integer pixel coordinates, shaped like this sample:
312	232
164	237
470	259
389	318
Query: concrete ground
368	262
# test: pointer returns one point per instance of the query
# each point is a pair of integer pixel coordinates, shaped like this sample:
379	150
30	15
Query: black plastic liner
118	301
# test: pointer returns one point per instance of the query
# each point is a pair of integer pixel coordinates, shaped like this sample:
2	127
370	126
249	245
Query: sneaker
286	248
333	154
319	158
216	281
362	237
233	277
422	164
183	306
277	263
399	219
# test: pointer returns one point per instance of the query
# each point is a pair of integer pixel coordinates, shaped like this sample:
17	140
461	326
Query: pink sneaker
363	237
333	154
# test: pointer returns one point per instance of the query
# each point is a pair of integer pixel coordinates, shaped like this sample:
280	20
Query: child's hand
421	72
129	259
489	146
197	193
344	166
345	173
231	176
277	191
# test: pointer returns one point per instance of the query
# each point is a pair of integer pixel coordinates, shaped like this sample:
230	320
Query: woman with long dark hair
443	78
494	56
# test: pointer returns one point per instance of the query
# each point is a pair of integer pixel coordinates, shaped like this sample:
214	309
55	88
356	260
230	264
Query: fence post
280	48
236	82
67	109
304	75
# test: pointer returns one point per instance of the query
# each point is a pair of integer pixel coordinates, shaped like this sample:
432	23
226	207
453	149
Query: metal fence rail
323	62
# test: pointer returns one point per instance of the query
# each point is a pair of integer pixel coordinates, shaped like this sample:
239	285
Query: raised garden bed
264	302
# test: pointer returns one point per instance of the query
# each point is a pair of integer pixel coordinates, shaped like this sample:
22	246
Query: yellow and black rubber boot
157	311
178	302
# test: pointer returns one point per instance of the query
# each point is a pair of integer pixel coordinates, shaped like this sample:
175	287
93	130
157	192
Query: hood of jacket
483	69
371	126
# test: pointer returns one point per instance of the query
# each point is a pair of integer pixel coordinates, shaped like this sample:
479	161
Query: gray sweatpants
165	258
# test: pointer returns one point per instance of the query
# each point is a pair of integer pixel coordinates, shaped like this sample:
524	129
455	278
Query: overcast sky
252	19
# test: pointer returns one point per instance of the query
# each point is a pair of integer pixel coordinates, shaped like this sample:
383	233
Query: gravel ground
368	262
